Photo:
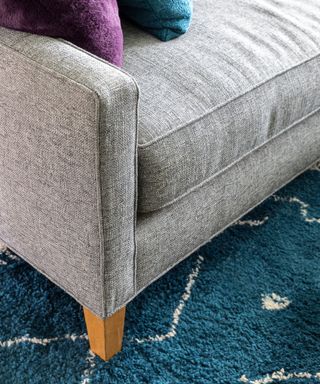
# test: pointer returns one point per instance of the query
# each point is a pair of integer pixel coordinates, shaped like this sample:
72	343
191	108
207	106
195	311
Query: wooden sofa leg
105	335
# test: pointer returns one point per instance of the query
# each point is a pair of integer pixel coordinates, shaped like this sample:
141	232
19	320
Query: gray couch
109	178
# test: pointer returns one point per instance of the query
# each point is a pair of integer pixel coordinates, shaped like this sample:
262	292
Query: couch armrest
68	132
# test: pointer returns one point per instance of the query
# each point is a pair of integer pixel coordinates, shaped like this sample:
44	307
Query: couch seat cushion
246	71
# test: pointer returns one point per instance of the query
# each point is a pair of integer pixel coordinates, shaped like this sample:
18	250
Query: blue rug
245	308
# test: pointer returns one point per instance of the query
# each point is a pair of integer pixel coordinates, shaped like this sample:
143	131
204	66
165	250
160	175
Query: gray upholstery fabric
245	71
68	167
167	236
228	114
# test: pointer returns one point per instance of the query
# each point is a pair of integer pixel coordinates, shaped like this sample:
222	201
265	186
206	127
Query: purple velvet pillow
91	24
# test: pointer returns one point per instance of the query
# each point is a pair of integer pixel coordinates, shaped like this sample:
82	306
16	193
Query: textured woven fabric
245	71
68	145
165	19
167	236
92	24
67	159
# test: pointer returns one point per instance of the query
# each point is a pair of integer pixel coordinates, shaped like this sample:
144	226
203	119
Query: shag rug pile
245	308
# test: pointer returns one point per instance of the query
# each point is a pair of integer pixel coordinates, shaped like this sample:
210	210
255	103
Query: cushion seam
172	265
143	146
208	179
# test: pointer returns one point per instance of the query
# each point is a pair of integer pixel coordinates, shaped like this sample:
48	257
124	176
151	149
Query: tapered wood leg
105	335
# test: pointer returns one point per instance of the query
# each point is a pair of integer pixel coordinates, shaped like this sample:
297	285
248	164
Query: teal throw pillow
166	19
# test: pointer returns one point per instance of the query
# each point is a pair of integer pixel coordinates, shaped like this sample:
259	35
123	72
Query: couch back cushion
91	24
165	19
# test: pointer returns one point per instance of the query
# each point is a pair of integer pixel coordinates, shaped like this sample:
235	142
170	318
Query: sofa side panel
68	167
